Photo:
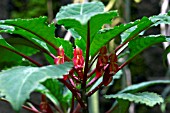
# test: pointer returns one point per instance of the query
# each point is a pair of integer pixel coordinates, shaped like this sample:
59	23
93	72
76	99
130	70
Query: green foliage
141	86
78	17
139	44
28	79
56	92
147	98
42	35
85	21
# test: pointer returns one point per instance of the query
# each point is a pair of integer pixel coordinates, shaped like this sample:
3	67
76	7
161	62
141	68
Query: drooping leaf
37	30
139	44
138	87
147	98
17	83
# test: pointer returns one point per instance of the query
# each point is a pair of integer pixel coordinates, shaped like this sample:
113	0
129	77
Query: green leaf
105	35
147	98
138	87
79	12
123	105
67	46
42	34
25	35
135	30
139	44
5	53
160	19
13	49
28	79
22	45
58	90
165	53
42	89
75	17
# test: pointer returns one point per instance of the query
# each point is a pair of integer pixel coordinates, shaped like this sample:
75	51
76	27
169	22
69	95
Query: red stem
95	89
25	107
92	81
91	73
30	109
93	62
26	57
72	89
72	104
77	109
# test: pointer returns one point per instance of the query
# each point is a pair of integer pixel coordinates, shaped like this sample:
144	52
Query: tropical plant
84	68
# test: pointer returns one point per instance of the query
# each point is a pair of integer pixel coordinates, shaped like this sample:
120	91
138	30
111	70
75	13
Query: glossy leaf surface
17	83
147	98
139	44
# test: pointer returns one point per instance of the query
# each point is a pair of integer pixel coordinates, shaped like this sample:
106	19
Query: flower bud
59	60
113	67
60	51
78	59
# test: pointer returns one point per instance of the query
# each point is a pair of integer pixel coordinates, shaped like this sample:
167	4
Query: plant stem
26	57
30	109
72	104
94	59
95	89
83	85
25	107
91	73
77	109
72	89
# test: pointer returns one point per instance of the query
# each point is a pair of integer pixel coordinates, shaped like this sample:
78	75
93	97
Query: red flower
60	51
60	58
78	59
